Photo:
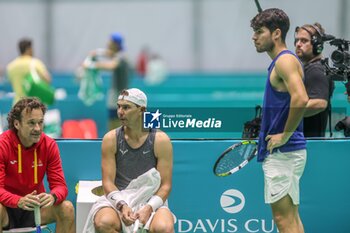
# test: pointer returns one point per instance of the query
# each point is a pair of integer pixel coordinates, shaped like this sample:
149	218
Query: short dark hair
24	44
272	19
27	103
315	29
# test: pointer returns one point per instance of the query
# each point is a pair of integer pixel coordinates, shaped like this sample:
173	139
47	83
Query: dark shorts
19	218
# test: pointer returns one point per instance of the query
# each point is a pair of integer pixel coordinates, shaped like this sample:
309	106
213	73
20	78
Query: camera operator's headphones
316	39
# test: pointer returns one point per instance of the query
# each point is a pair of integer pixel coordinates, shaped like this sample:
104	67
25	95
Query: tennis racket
37	219
258	6
235	158
136	226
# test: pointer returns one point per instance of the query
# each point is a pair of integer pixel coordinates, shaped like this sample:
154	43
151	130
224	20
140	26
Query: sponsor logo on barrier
230	225
232	201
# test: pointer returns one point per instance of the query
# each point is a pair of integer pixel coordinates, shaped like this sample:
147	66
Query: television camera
340	69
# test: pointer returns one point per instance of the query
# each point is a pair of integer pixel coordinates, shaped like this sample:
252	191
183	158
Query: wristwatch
120	205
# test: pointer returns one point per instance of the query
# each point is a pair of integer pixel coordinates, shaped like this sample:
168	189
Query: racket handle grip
136	226
37	217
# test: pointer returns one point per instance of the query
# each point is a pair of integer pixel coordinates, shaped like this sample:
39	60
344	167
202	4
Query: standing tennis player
282	146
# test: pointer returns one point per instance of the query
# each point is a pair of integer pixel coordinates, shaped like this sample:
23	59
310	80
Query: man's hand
128	217
46	199
29	201
144	213
276	140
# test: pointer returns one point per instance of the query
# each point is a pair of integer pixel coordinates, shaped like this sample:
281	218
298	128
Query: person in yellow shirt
21	66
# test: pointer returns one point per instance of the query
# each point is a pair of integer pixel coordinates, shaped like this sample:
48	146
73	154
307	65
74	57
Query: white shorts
282	172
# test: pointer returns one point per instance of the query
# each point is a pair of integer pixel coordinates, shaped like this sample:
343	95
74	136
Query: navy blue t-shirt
275	112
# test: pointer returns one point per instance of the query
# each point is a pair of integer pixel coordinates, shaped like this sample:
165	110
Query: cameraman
308	47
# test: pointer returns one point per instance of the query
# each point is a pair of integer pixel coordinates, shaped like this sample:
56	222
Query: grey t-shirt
131	162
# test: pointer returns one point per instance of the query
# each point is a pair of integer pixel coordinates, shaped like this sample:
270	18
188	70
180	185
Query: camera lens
338	57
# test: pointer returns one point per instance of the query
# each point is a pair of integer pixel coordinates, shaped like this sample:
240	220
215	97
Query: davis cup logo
232	201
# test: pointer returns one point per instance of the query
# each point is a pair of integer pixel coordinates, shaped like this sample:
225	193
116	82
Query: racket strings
234	158
248	151
230	160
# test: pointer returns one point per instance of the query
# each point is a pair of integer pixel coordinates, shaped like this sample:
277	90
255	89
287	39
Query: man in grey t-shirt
127	153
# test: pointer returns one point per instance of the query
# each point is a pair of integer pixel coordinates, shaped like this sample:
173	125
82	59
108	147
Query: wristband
112	197
155	202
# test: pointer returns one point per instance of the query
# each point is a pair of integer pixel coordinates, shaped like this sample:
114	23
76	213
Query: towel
136	195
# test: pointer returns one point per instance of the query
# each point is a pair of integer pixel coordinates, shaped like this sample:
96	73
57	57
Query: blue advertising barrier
203	202
239	91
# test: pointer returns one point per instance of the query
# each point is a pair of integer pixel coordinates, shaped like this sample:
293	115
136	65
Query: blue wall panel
199	198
